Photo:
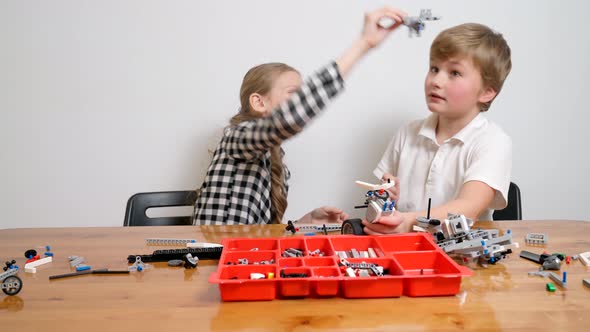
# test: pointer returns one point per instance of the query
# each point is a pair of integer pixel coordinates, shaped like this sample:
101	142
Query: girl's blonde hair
486	48
260	79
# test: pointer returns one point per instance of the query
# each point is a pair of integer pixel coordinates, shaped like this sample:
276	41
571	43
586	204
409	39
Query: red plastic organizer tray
416	266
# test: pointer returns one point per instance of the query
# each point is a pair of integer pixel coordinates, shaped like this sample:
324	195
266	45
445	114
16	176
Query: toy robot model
455	237
377	203
415	23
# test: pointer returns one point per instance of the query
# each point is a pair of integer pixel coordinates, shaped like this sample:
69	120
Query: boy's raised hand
372	33
395	223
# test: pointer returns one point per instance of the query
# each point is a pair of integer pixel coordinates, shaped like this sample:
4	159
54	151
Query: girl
246	182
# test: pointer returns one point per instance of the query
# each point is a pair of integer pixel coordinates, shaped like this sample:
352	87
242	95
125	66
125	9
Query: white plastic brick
31	266
585	258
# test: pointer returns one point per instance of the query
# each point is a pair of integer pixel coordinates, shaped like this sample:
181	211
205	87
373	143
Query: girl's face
284	85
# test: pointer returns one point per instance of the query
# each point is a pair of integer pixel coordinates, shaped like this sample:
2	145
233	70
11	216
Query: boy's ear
257	103
487	95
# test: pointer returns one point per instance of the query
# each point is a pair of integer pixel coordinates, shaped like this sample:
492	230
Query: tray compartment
295	286
390	285
358	243
292	243
320	261
319	242
233	257
326	281
407	242
250	244
429	273
290	262
235	283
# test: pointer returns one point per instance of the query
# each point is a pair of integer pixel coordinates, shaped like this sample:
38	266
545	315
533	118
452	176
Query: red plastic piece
568	259
35	258
416	266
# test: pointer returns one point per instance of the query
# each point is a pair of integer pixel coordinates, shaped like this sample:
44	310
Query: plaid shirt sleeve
250	139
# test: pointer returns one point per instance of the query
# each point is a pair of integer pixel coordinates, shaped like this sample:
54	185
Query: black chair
513	211
138	204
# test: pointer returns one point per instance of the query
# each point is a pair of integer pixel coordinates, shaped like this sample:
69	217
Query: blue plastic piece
308	234
82	268
49	254
564	280
48	248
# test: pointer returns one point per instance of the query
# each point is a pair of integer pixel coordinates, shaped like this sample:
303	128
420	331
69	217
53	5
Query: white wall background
103	99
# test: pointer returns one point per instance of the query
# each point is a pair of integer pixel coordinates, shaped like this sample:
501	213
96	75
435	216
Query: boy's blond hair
486	48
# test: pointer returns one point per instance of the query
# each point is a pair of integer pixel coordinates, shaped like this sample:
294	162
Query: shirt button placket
432	171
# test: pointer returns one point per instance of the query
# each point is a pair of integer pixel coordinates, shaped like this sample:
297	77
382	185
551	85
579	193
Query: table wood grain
499	297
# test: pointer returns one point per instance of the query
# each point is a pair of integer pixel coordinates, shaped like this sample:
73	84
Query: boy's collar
428	128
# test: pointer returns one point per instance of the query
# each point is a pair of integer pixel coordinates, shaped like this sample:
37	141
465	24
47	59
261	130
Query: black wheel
17	285
30	253
353	226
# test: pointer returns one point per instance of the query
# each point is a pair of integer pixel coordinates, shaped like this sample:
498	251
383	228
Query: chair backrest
513	211
137	205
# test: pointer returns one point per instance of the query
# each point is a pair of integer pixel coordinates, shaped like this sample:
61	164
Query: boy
455	156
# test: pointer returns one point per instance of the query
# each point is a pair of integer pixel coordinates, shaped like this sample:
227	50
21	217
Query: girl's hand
371	36
372	33
327	214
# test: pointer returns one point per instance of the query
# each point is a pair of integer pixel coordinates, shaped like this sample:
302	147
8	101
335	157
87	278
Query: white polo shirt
481	151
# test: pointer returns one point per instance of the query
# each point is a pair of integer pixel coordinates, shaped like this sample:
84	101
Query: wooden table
500	297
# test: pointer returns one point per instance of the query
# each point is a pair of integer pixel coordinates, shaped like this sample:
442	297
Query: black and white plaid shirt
236	189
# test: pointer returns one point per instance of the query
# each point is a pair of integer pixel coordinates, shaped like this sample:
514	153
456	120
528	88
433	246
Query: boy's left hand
395	223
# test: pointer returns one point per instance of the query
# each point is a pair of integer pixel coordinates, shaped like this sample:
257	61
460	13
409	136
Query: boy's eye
455	73
433	69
